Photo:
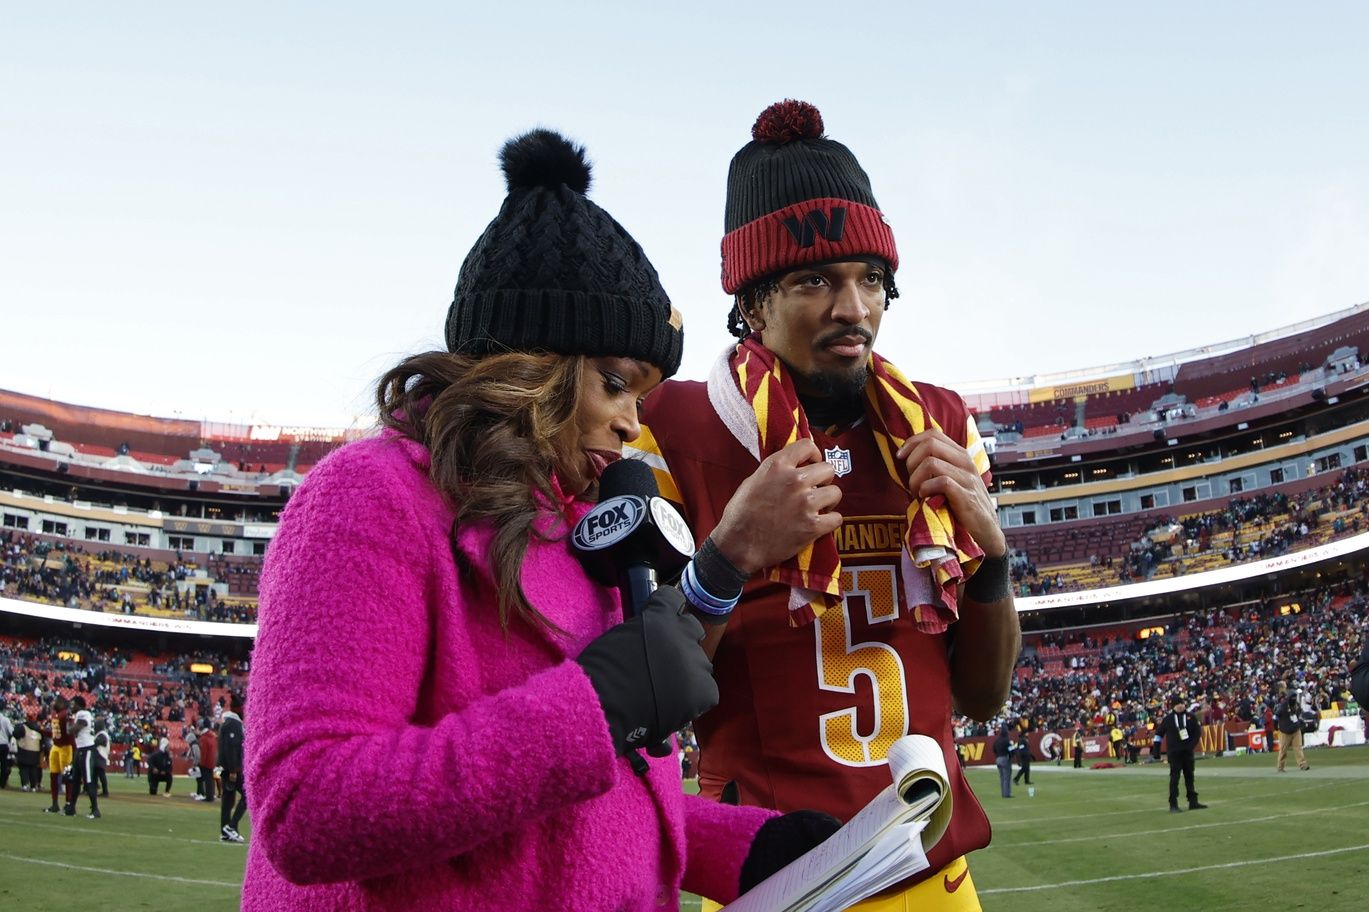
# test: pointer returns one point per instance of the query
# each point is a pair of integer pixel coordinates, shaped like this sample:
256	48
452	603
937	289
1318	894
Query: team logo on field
839	460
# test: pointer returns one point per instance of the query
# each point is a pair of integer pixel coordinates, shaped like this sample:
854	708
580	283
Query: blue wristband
703	600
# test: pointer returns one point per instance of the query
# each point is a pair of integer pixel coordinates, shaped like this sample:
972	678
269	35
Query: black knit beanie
795	197
554	272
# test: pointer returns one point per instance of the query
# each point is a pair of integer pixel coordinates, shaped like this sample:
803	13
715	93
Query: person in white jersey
86	757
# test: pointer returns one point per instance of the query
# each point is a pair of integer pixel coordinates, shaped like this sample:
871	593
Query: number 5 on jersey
872	592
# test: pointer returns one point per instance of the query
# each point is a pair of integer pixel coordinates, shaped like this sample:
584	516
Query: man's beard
834	397
840	386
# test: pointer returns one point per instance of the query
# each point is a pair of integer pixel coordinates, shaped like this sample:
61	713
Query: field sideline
1088	840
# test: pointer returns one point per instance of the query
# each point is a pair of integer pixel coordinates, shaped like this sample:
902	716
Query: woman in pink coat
442	701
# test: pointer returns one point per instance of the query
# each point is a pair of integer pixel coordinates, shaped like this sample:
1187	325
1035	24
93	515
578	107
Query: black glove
782	839
651	675
1359	677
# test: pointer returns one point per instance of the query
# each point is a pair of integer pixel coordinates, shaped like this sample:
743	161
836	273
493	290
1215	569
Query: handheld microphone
632	535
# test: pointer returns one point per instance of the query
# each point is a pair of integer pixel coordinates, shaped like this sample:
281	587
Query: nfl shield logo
839	459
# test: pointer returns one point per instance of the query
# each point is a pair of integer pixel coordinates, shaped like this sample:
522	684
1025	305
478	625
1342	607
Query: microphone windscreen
627	476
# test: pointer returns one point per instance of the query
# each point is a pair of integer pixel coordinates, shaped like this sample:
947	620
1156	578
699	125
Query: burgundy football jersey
808	713
59	729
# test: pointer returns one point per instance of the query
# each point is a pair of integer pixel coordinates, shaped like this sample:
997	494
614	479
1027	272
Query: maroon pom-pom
786	121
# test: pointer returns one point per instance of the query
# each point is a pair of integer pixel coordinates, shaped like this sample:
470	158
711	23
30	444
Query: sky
248	212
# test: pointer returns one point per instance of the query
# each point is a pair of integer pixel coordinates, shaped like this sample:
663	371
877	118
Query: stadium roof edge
204	428
361	424
1174	359
79	616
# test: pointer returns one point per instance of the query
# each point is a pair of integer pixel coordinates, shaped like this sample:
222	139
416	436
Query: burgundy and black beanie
794	198
554	272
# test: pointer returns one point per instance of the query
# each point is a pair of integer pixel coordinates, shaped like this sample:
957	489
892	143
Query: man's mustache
846	333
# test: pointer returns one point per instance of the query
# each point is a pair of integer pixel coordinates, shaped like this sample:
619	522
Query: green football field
1088	840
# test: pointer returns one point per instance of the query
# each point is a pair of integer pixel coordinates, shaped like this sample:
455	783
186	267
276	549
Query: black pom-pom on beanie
544	159
554	272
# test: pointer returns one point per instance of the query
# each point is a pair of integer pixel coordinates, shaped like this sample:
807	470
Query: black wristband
991	582
718	575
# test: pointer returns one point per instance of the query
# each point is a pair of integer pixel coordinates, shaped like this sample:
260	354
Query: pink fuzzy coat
405	753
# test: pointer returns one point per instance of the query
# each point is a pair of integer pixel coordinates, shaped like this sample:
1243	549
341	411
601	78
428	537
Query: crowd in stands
1231	663
148	704
1105	413
1174	547
1234	663
1296	517
66	574
110	580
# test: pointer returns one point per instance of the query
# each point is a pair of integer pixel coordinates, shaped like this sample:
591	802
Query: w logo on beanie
816	222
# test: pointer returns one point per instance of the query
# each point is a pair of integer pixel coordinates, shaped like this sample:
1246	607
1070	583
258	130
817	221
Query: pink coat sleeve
344	785
718	837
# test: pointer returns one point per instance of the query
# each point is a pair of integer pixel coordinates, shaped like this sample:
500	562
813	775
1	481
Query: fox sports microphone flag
633	536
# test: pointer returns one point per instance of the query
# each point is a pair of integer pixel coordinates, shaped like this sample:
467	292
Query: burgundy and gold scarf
755	397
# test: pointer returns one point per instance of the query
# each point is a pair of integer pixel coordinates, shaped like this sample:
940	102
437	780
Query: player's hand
936	464
782	507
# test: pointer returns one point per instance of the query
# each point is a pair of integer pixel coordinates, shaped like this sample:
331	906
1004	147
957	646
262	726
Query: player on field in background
209	758
61	753
7	751
193	761
159	770
28	738
851	628
230	761
83	731
102	754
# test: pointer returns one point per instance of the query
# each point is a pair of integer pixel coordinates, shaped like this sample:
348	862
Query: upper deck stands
165	441
1291	355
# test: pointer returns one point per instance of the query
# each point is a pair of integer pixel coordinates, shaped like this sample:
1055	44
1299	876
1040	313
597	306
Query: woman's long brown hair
497	427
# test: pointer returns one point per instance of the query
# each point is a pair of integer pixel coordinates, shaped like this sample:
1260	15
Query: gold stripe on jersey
646	449
974	445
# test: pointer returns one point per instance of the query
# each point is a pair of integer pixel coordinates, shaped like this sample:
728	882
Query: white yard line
1149	808
95	829
1179	829
1171	873
72	867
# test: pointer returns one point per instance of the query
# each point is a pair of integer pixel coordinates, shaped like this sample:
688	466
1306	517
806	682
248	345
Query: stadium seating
1068	549
131	580
138	687
1290	355
1086	553
166	441
1231	661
